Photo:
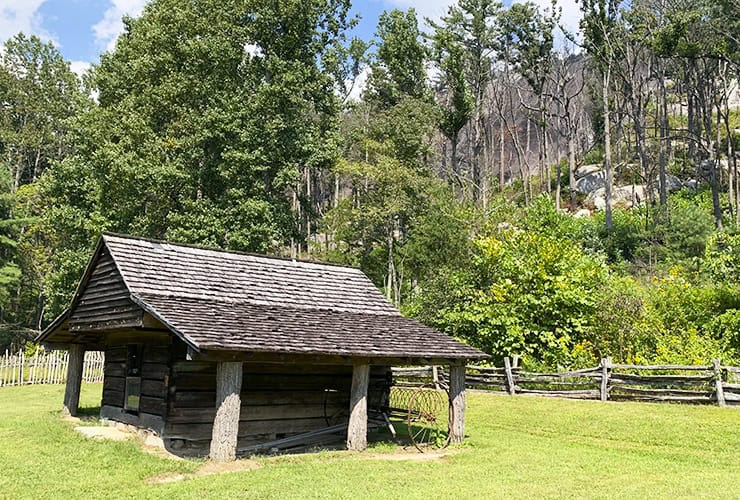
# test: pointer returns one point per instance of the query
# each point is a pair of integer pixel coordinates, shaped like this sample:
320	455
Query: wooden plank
157	354
154	388
357	429
123	321
204	431
667	399
228	406
592	392
250	413
192	399
595	381
492	369
589	372
663	378
477	385
154	371
486	377
618	366
115	354
659	392
196	399
152	405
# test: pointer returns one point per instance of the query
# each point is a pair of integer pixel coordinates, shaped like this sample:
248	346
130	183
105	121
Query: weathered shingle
185	271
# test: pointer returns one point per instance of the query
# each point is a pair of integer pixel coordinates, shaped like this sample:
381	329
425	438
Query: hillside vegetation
559	196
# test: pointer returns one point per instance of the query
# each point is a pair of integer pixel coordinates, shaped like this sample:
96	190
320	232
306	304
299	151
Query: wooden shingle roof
226	301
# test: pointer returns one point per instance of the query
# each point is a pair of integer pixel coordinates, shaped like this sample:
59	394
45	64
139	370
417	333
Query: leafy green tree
214	120
398	69
457	101
40	94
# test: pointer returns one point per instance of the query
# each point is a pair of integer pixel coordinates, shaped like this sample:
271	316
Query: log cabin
217	352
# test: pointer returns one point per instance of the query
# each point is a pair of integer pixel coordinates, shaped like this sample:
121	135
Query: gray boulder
591	182
629	196
586	170
673	183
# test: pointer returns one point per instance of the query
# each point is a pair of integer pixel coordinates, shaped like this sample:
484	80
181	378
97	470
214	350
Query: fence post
605	370
718	383
21	367
509	376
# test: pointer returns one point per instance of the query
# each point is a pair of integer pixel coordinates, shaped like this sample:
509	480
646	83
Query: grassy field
518	447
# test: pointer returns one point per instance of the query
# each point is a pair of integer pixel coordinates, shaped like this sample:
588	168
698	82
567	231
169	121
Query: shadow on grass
89	412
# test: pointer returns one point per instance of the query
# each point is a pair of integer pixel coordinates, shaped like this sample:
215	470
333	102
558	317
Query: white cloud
22	15
357	87
254	50
107	29
79	67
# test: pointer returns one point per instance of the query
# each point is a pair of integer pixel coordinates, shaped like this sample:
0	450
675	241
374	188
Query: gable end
105	302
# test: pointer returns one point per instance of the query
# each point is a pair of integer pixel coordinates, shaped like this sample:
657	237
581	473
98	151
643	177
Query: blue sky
82	29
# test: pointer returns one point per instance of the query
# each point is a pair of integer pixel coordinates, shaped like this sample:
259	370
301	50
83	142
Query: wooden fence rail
47	368
712	384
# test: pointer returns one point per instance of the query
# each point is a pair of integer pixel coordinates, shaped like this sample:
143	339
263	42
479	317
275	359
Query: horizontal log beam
317	359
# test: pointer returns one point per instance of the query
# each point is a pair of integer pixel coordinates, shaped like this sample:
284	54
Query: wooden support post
457	403
357	430
718	383
74	380
510	385
228	405
606	364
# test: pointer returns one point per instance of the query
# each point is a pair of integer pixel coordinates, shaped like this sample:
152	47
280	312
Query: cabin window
133	378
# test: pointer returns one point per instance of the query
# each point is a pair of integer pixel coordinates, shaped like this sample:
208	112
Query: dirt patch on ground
207	469
103	432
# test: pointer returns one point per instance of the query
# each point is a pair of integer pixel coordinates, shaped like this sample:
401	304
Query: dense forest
562	196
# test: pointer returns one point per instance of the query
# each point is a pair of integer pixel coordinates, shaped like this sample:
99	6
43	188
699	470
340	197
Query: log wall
277	401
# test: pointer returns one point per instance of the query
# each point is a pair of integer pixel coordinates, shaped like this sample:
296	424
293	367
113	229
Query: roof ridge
232	252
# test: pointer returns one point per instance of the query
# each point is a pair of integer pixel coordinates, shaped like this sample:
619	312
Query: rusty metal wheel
428	418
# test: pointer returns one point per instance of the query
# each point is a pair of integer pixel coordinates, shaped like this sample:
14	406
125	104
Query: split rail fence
47	368
713	384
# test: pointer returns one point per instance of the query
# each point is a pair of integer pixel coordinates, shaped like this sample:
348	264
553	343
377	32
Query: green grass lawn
518	447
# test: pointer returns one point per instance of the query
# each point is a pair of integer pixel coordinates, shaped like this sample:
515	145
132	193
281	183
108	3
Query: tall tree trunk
609	221
663	145
572	167
501	178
